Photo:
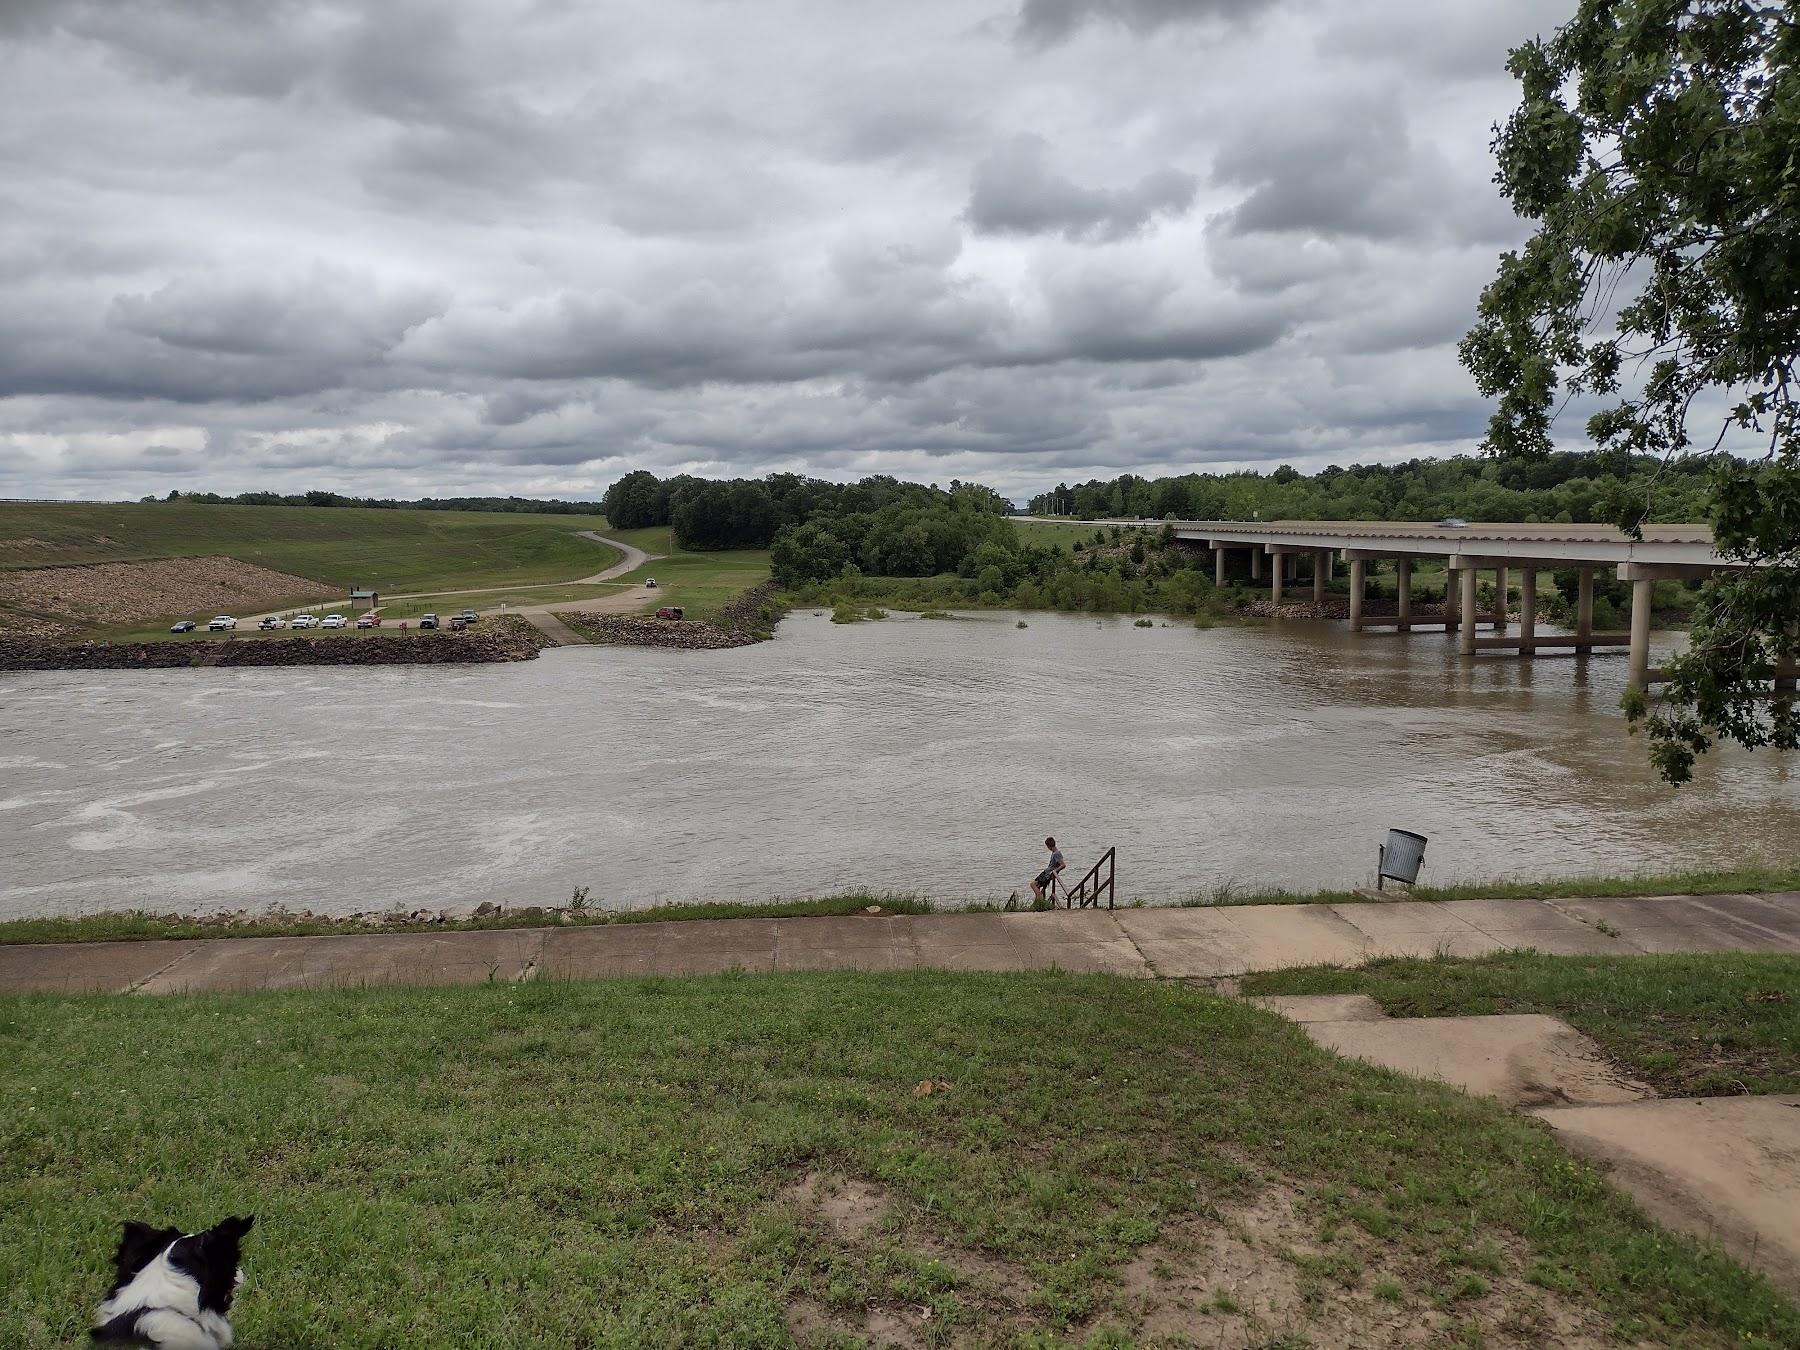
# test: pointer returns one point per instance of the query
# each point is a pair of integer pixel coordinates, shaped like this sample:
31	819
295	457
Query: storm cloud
1017	192
436	246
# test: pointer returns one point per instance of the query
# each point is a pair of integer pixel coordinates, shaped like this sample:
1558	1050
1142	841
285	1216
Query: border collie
173	1290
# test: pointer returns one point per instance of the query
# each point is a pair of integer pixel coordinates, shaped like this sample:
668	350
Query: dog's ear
139	1244
226	1235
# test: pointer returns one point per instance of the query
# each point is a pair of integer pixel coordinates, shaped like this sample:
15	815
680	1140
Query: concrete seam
1143	956
137	986
1618	935
529	970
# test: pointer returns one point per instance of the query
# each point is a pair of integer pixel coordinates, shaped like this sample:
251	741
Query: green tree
630	503
1657	147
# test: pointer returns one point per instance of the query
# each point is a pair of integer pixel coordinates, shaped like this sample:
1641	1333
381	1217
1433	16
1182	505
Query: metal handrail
1087	891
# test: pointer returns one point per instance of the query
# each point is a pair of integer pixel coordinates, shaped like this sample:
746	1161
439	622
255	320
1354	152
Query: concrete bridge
1665	551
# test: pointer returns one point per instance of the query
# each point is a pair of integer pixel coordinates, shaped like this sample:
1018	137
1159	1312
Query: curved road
634	559
627	599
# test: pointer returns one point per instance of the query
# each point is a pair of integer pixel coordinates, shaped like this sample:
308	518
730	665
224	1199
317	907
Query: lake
920	756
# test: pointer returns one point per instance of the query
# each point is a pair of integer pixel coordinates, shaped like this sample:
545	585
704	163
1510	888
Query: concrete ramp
1525	1059
1725	1168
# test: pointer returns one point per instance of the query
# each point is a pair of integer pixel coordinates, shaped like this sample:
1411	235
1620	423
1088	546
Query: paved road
634	559
1210	943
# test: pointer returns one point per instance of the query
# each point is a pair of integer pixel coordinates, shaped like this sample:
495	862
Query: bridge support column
1466	608
1584	604
1642	591
1219	567
1255	563
1527	610
1277	564
1359	571
1452	600
1500	599
1403	585
1321	570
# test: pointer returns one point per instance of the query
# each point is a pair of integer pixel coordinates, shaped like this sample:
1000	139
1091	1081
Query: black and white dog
173	1290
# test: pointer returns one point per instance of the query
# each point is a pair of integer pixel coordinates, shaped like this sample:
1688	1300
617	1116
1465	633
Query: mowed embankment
101	594
321	551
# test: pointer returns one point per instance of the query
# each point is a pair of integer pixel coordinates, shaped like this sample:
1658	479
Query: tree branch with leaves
1657	147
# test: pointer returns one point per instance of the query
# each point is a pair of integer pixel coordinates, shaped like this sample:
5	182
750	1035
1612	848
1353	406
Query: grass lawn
385	550
1691	1026
734	1160
1055	534
701	583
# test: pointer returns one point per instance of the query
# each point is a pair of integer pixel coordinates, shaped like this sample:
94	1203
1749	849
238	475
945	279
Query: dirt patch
1261	1273
109	593
864	1216
852	1208
810	1322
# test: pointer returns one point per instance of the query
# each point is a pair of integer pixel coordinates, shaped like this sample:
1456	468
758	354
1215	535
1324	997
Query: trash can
1401	857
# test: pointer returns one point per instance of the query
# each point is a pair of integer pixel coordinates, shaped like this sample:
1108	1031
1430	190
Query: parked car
669	612
428	621
271	623
468	616
649	583
368	621
185	626
458	623
221	621
305	621
334	621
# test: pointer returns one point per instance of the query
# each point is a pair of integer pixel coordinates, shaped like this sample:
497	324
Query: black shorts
1045	877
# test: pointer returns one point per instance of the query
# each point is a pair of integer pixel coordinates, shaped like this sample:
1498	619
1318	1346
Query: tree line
522	505
753	512
1562	488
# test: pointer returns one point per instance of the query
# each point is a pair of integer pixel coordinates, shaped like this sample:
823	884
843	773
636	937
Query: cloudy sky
405	247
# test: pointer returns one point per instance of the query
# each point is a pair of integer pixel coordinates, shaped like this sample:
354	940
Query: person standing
1052	870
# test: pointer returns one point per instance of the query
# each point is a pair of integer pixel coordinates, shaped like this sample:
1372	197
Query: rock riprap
499	639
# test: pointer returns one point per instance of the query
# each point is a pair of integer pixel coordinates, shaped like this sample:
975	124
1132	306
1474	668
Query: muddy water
912	755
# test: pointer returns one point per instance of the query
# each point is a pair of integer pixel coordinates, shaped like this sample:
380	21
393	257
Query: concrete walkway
1206	943
551	627
1721	1168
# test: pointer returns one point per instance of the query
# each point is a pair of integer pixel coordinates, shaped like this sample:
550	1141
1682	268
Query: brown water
920	756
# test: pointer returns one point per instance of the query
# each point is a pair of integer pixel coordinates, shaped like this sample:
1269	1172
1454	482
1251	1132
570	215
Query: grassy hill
702	583
341	546
919	1157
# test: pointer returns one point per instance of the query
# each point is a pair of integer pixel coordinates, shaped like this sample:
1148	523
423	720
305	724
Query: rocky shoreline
749	619
504	638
